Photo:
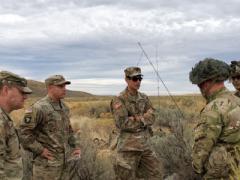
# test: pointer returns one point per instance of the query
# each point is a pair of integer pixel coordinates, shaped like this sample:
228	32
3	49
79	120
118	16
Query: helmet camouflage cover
235	68
209	68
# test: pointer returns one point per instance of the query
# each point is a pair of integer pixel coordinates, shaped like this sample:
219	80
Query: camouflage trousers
134	165
72	170
27	161
219	163
47	172
13	171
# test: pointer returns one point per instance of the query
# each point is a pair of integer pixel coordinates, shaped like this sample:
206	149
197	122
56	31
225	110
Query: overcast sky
91	42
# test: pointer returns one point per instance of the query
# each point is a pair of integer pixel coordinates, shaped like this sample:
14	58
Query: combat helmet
209	68
235	68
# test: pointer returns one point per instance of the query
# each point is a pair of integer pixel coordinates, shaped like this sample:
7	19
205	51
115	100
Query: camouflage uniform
27	163
135	158
10	153
47	125
11	162
235	76
217	134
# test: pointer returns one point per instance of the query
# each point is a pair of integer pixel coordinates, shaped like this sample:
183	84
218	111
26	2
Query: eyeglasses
135	78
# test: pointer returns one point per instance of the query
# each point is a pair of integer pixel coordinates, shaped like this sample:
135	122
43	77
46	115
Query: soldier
134	115
217	134
235	76
13	93
47	133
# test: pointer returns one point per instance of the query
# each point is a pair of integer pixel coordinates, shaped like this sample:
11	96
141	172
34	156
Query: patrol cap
56	80
132	71
11	78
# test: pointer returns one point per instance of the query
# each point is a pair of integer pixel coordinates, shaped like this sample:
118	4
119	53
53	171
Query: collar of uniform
6	116
56	105
133	98
216	94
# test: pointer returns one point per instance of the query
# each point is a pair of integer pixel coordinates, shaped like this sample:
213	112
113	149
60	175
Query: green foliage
174	148
100	167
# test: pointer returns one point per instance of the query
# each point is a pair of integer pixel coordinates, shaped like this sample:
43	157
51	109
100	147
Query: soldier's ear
49	87
4	90
126	79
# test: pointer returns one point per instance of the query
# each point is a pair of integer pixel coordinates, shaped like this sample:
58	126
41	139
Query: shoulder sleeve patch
117	105
28	115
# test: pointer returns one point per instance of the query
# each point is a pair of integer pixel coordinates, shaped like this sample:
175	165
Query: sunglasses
135	78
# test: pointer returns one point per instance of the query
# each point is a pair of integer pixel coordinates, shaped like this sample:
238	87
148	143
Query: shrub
174	149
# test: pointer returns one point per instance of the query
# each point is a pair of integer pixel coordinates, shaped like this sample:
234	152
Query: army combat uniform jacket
47	125
217	135
10	154
133	133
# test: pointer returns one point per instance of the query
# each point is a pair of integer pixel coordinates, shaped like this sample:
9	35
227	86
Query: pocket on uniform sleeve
218	164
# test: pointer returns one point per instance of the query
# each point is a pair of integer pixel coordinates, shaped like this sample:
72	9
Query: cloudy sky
91	42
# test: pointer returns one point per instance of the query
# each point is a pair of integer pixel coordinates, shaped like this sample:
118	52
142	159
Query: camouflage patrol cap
132	71
209	68
7	77
56	80
235	68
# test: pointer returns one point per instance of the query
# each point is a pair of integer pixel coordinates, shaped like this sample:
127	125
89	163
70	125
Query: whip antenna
159	77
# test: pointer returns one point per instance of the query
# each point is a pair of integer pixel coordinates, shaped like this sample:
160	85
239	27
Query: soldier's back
222	115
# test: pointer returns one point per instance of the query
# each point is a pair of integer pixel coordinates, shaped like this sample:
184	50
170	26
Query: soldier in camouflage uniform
134	115
217	134
47	133
235	76
13	93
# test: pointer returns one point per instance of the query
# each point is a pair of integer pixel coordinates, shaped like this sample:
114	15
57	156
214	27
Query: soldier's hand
138	118
77	152
131	118
47	154
135	118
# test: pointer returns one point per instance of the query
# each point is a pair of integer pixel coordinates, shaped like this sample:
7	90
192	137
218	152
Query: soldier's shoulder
117	101
119	96
143	95
221	105
41	104
43	100
116	98
65	106
122	94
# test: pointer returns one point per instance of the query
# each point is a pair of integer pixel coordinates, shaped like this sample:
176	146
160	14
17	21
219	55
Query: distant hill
39	90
